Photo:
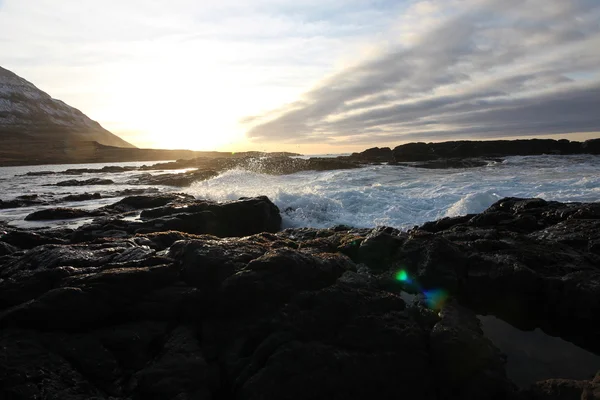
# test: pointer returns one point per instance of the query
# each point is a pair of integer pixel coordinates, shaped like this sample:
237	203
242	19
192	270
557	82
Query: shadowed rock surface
180	180
21	201
121	309
471	154
492	148
59	213
86	182
82	197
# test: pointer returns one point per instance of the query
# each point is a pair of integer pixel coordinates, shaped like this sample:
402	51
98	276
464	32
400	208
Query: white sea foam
404	197
378	195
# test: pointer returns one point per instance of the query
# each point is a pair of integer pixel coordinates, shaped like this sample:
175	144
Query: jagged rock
24	239
180	180
452	163
145	201
39	173
296	314
375	154
134	192
21	201
243	217
591	146
87	182
59	213
82	197
566	389
236	218
6	249
491	148
468	365
445	223
105	169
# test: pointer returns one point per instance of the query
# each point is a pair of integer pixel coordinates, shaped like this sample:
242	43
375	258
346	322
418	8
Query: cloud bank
458	68
181	73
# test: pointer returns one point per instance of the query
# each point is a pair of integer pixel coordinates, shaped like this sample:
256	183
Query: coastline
81	152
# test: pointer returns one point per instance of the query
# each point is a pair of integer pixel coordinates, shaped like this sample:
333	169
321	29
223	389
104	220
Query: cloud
169	68
473	68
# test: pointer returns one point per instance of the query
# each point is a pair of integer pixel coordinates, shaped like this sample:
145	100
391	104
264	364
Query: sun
207	134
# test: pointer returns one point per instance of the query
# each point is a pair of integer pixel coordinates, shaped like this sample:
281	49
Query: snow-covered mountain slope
27	113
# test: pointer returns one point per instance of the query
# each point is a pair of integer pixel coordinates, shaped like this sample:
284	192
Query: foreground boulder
245	318
176	212
153	313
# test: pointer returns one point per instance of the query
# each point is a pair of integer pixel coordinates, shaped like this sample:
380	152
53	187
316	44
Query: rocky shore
203	300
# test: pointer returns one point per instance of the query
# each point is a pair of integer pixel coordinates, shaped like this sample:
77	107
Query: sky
313	76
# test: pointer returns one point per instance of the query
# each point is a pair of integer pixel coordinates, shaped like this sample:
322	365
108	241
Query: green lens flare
402	276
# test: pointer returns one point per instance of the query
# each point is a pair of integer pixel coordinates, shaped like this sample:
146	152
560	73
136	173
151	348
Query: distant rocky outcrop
471	153
374	154
492	148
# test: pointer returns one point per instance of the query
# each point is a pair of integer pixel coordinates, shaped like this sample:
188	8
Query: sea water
398	196
403	196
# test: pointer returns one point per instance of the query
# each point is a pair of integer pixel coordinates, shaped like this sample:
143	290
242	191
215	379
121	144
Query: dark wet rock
105	169
11	204
452	163
295	314
87	182
244	217
446	223
133	192
181	368
39	173
566	389
148	201
468	365
334	353
59	213
24	239
21	201
379	248
82	197
6	249
50	376
28	197
273	164
527	260
374	154
591	146
179	180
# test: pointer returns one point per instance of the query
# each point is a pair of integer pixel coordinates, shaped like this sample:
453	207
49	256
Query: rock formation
161	308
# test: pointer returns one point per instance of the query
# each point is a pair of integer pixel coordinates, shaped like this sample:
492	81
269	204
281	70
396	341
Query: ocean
381	195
